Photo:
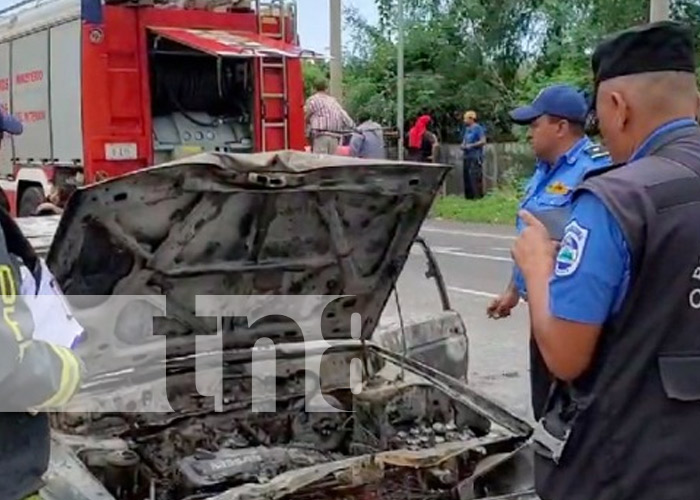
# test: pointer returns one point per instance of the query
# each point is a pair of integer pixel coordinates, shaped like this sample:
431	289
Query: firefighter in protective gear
35	375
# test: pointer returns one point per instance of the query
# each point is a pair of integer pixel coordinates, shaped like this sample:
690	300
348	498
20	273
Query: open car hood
283	223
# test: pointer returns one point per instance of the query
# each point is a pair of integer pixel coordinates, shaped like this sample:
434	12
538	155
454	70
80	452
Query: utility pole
659	10
336	28
399	79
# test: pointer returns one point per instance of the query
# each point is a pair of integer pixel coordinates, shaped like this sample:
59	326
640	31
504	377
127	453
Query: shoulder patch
596	151
572	246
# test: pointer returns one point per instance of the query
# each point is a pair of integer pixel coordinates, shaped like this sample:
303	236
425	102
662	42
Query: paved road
475	261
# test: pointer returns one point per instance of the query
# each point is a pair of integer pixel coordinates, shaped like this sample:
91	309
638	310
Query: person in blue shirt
556	120
585	283
473	142
614	310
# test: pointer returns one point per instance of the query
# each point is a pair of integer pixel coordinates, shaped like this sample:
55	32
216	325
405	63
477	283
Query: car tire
32	197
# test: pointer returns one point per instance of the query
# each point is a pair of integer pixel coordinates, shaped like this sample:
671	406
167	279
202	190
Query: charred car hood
283	223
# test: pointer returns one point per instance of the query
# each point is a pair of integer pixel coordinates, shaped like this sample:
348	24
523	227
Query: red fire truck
105	87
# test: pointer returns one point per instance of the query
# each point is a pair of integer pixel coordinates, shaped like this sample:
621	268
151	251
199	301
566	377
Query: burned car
229	303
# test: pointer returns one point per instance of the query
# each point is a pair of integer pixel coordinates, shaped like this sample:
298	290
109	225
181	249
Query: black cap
660	46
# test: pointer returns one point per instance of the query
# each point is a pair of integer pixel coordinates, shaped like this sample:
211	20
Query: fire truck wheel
32	197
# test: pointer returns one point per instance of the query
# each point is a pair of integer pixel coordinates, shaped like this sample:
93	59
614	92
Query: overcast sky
313	21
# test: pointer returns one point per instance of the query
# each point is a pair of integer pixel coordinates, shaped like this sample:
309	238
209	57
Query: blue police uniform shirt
551	187
592	270
473	134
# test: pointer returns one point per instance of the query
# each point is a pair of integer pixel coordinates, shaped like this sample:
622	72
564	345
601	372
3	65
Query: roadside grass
499	206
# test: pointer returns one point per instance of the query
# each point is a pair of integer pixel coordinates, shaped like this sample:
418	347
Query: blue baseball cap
562	101
10	124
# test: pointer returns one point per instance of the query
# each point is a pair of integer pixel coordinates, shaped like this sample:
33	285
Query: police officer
616	312
556	120
35	375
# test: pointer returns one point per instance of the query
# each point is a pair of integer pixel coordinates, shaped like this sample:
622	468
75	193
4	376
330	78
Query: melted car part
202	456
398	429
397	485
412	416
412	424
215	471
208	453
320	430
121	475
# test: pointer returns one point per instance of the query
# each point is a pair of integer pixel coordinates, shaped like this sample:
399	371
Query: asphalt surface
476	264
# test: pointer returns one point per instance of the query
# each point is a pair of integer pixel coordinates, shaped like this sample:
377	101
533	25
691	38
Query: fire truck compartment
199	101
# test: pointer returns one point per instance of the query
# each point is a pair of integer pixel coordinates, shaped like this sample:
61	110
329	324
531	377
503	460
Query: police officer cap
659	46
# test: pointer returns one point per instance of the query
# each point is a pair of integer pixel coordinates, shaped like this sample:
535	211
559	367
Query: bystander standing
473	142
421	144
367	139
326	120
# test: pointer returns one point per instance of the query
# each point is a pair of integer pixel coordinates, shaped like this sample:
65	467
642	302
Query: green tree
313	71
485	55
572	28
459	54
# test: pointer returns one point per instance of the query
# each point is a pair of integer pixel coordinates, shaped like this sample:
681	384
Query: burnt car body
265	226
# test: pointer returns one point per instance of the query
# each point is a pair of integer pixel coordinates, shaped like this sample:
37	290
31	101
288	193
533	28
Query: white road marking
469	291
461	232
501	249
457	252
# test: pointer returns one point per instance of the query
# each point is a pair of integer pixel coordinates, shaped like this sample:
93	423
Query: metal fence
503	162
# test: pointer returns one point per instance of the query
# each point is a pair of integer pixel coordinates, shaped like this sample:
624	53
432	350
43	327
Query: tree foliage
313	71
485	55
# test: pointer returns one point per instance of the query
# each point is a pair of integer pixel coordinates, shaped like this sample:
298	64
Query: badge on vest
558	187
571	249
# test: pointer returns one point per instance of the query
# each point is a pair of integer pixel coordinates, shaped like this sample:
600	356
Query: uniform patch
571	250
596	151
558	187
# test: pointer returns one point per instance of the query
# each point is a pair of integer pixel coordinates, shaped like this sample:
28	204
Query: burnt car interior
201	455
266	225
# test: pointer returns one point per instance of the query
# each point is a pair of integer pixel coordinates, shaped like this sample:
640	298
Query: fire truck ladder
273	73
274	70
273	13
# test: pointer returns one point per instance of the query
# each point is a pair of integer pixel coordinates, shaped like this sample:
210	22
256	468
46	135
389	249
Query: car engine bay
202	453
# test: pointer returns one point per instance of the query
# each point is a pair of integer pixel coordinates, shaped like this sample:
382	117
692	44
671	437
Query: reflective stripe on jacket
34	375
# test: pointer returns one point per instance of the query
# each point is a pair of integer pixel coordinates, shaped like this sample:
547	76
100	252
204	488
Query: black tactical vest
24	453
24	439
631	424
